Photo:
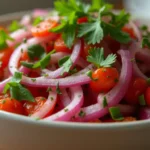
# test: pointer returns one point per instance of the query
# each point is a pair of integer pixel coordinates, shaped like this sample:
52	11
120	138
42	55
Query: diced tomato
82	20
49	46
60	46
137	88
43	29
147	96
104	79
130	31
4	57
24	56
11	105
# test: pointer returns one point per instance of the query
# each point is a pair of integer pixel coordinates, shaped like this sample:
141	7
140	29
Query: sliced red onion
39	12
13	63
18	37
47	107
74	58
26	20
3	83
144	113
64	98
68	112
114	96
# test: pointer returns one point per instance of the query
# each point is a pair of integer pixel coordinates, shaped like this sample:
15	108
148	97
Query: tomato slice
105	79
42	29
82	20
137	87
11	105
130	31
60	46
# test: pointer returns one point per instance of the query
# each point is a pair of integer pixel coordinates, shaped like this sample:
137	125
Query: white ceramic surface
23	133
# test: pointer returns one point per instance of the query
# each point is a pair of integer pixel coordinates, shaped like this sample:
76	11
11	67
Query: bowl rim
59	124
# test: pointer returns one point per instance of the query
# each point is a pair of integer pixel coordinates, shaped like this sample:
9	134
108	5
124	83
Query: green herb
49	89
17	91
43	63
148	81
105	104
66	63
37	20
96	56
3	39
33	79
144	28
52	98
145	42
82	113
36	51
72	71
37	118
66	109
142	100
58	89
15	25
115	113
24	40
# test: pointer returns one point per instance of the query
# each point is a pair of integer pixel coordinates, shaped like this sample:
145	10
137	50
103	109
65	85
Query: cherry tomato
130	31
60	46
147	96
31	108
4	57
82	20
11	105
42	29
137	87
105	79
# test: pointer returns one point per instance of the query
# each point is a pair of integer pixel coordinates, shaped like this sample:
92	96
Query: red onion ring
144	113
47	107
68	112
114	96
26	20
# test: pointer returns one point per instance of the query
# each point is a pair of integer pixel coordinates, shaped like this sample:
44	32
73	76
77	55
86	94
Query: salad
79	62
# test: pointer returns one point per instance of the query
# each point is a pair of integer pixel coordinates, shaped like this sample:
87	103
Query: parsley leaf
145	42
96	56
66	63
17	91
105	104
37	20
36	51
3	39
41	63
14	26
58	89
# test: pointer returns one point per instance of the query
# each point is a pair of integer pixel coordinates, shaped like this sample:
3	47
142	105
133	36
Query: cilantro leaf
3	39
58	89
37	20
17	91
105	104
96	56
41	63
142	101
145	42
66	63
36	51
14	26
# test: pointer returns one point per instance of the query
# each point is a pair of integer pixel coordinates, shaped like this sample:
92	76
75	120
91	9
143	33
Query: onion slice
48	106
114	96
68	112
144	113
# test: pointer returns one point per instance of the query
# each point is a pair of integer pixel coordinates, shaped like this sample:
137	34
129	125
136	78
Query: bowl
23	133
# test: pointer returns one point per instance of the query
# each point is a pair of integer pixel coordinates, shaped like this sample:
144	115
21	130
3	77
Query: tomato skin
136	88
4	57
49	46
82	20
32	107
60	46
147	96
11	105
106	79
42	29
24	56
130	31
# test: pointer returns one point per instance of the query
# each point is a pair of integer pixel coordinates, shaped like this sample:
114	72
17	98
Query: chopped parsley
96	56
142	101
15	25
82	113
58	89
37	20
105	104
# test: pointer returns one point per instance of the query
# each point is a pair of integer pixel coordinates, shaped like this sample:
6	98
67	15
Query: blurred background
8	6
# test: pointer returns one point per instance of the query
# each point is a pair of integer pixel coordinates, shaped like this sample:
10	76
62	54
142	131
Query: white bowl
23	133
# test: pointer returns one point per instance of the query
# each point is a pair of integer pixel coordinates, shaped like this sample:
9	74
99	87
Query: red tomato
42	29
82	20
11	105
106	79
49	46
130	31
31	108
147	96
60	46
4	57
136	88
24	56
